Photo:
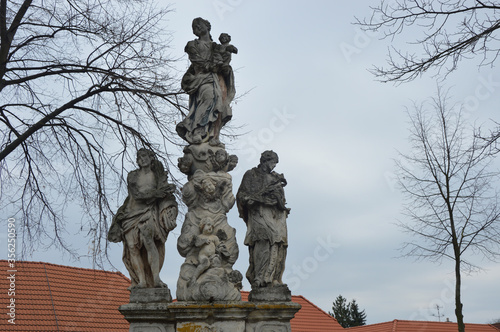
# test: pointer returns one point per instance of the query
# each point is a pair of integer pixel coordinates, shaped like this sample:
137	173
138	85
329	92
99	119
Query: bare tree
451	204
83	85
450	30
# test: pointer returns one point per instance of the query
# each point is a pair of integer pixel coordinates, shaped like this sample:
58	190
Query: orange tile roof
310	318
52	297
420	326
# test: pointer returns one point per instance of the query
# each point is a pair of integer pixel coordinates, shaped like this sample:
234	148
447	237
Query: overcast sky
336	130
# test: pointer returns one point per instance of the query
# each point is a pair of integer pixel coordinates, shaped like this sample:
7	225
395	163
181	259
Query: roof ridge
324	312
380	323
433	321
68	267
122	275
394	325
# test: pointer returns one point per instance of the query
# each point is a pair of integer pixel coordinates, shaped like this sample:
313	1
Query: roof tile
421	326
49	297
52	297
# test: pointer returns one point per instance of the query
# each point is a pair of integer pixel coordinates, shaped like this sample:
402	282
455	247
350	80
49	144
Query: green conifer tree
347	314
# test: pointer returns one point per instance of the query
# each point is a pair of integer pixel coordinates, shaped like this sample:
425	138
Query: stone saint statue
209	81
261	204
144	220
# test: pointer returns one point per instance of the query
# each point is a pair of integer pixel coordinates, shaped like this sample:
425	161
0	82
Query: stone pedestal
150	295
217	316
148	317
270	294
271	317
238	316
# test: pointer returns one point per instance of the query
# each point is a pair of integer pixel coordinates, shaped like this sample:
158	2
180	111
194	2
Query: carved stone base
272	317
150	295
237	316
217	316
270	294
148	317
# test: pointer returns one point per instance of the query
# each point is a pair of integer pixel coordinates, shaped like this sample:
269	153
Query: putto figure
209	82
144	220
261	204
207	241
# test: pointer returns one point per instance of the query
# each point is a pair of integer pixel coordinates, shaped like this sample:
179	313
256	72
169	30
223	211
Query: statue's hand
164	191
232	49
283	180
270	200
217	59
222	250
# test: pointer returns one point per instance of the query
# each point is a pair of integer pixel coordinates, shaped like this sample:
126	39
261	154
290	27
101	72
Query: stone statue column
208	288
207	241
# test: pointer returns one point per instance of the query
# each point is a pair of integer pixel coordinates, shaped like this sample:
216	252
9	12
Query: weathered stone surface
272	317
261	204
151	327
226	316
150	295
148	317
207	158
207	241
209	81
270	294
144	220
208	288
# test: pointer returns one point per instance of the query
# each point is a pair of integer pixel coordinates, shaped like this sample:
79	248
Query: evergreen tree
358	318
347	314
340	311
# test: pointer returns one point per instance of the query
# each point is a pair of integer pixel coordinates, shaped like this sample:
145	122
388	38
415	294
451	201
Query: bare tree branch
83	85
452	30
451	204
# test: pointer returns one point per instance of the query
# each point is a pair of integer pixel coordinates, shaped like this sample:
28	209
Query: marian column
208	288
207	241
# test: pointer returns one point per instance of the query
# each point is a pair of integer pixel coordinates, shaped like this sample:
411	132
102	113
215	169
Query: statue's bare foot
259	283
136	286
160	284
267	278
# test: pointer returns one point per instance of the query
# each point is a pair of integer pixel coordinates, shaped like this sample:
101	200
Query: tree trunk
458	302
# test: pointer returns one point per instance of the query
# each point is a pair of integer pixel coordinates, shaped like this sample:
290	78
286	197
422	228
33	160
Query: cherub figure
226	49
208	243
